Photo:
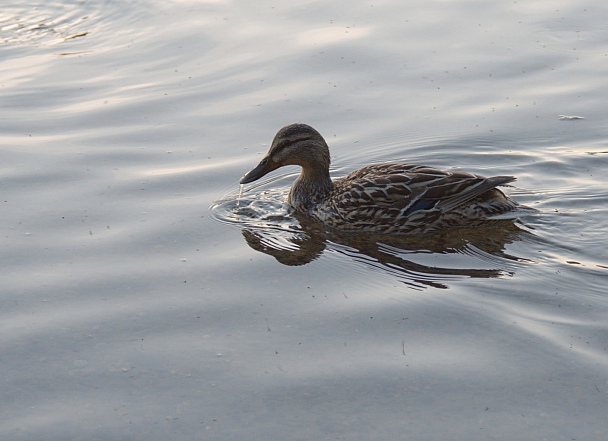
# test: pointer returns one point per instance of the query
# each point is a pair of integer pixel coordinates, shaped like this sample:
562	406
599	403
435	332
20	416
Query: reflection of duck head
295	250
404	256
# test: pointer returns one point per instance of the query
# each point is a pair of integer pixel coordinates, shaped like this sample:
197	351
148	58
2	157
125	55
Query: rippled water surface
142	298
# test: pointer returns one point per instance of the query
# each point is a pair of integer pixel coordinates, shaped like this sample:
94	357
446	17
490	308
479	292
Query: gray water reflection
128	313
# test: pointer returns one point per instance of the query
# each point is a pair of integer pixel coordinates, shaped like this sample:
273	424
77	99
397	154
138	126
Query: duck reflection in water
405	257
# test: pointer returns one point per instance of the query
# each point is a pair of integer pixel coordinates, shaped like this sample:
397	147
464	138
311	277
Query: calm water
138	301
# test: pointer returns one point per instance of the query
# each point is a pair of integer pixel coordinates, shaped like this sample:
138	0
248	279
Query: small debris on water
82	34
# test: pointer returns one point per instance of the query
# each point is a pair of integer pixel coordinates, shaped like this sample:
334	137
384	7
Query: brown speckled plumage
382	198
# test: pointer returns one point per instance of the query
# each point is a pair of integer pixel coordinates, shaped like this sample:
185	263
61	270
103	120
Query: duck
382	198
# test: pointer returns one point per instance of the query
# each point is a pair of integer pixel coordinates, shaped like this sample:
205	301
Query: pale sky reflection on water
139	301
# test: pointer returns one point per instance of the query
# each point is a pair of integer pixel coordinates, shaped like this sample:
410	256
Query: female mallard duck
382	198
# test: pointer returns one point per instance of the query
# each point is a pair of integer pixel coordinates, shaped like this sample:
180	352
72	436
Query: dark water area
142	298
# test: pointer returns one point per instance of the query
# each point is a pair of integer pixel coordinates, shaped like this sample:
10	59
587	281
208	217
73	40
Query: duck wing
470	189
398	190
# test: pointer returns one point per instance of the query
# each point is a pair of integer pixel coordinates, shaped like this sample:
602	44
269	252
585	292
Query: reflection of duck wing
398	255
417	275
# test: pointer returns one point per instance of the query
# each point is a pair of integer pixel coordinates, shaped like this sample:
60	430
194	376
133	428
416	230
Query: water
140	301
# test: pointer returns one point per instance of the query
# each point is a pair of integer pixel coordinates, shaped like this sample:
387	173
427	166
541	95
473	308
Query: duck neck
310	188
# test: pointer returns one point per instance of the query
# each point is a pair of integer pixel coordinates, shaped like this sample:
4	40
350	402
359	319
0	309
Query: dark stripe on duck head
287	142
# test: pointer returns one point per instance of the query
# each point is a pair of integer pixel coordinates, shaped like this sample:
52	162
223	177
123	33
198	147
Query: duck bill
265	166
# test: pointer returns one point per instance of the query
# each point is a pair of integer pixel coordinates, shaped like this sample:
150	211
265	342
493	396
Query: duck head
295	144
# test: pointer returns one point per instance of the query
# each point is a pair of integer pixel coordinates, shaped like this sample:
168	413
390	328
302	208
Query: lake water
138	301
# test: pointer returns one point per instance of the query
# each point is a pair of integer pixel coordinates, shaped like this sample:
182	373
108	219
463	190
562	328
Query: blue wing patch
421	204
